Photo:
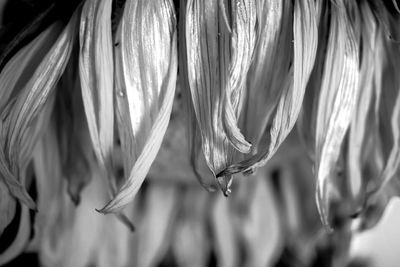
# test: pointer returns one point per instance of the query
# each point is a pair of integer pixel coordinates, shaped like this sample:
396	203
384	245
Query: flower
90	97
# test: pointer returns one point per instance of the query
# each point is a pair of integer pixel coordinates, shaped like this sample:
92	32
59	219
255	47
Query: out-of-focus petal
258	223
190	243
226	241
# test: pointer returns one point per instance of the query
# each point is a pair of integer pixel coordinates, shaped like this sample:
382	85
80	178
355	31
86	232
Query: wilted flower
89	97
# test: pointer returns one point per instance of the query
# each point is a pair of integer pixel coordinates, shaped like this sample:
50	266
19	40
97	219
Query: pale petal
96	76
190	243
16	73
157	223
149	65
269	77
337	102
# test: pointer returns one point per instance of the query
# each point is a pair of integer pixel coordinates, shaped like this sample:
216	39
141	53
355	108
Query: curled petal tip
104	210
322	206
29	202
225	183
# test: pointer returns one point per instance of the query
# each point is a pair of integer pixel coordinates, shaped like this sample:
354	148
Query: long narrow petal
25	106
338	98
36	92
243	44
207	46
149	64
96	76
192	128
364	125
216	59
269	77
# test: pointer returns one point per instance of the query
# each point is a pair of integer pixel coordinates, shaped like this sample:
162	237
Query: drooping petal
16	73
206	47
192	128
36	92
364	125
149	66
290	94
216	63
307	119
24	106
97	77
382	161
337	100
268	77
243	44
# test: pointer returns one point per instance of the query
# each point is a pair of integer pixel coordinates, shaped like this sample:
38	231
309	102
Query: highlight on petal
243	45
337	100
206	47
97	78
192	128
269	76
191	229
30	77
149	66
41	85
215	59
364	125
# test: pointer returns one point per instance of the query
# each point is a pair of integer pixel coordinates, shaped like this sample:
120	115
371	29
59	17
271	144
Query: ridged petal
337	101
97	78
149	66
